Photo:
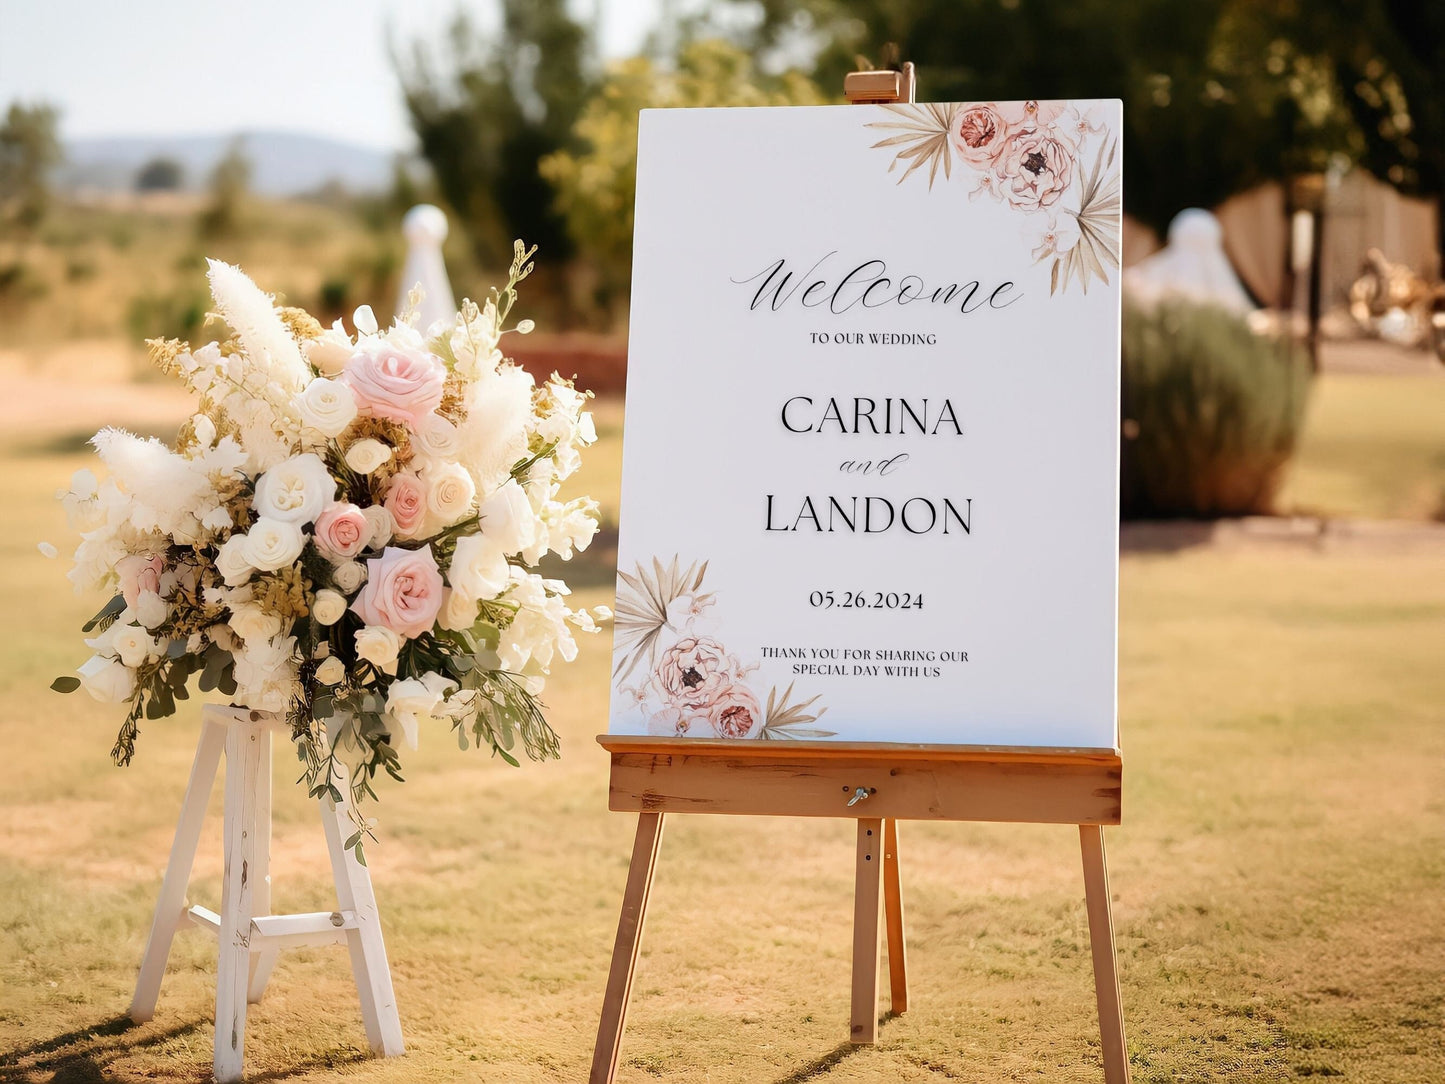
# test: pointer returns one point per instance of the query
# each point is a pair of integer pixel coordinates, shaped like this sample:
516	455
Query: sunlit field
1278	878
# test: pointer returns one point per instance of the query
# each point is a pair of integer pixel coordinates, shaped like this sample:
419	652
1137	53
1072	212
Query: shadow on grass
85	1055
818	1066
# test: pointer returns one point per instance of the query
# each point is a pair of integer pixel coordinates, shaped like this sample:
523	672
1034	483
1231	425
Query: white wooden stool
250	938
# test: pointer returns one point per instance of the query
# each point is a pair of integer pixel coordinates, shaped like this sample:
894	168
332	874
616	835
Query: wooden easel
877	785
251	938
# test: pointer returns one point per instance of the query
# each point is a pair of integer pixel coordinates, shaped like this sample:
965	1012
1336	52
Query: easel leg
262	962
625	948
244	744
867	910
893	920
1101	942
368	951
171	906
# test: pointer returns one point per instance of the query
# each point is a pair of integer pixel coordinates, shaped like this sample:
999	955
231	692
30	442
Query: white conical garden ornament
1193	265
425	228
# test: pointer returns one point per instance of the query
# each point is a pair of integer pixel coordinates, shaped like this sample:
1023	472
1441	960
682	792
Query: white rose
479	569
439	438
327	406
458	612
349	576
328	607
217	519
449	492
295	490
273	544
253	624
366	455
382	526
108	680
379	646
134	645
329	353
232	563
507	517
151	610
331	671
410	700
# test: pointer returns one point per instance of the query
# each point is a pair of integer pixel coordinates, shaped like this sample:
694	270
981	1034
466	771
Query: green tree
229	184
159	175
1218	94
490	110
596	183
29	151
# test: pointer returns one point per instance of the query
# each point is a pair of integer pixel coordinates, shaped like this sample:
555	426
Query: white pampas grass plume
165	488
251	312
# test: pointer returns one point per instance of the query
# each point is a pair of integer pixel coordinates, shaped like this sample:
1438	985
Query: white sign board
870	466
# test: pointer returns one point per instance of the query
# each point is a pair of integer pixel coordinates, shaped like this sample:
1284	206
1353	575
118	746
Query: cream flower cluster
346	529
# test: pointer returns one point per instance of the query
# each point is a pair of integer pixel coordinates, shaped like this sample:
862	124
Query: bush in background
1211	412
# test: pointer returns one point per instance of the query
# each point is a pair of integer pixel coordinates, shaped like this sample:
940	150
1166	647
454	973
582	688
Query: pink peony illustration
735	713
978	133
694	671
1034	169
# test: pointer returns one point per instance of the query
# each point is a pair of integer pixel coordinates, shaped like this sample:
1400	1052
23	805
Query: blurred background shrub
1211	412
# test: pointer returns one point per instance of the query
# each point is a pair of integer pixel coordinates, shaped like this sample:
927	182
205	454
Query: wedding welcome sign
871	456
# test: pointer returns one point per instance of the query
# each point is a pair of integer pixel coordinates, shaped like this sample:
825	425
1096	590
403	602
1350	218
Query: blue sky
153	67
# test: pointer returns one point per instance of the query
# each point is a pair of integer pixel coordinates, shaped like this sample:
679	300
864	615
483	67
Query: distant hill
282	163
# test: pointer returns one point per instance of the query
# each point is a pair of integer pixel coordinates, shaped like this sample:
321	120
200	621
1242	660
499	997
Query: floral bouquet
345	532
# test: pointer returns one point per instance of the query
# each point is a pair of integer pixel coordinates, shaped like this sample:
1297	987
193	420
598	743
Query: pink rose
735	713
403	591
405	386
406	501
978	133
694	671
1034	168
138	575
341	530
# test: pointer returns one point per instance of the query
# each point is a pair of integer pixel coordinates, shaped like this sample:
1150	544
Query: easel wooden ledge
877	784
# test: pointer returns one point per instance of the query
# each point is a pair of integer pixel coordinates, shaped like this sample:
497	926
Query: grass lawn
1373	446
1279	875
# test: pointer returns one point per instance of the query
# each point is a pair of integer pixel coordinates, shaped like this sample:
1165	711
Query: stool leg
244	742
368	951
171	906
262	961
